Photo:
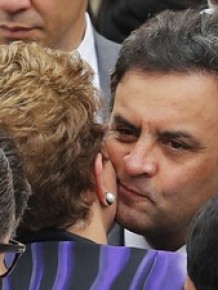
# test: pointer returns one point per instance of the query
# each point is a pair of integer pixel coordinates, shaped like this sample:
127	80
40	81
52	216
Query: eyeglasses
12	252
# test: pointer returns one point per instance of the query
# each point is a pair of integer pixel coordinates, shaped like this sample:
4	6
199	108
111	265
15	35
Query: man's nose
141	160
13	6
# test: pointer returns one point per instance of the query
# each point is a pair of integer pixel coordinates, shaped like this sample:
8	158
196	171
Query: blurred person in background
116	19
63	25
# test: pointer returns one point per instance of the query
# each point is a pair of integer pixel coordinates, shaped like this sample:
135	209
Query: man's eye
175	145
178	145
125	135
124	131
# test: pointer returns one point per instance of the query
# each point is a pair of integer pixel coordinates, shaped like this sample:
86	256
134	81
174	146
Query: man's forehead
180	103
159	84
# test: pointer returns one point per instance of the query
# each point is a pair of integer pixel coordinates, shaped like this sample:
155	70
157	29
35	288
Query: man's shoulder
107	50
107	53
106	43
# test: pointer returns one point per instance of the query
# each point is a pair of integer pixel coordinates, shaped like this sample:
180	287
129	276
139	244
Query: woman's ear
98	173
105	180
106	189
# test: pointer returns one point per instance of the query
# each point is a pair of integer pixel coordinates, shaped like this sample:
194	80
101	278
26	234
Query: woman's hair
48	104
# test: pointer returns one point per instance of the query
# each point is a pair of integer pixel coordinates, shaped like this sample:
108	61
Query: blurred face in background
53	23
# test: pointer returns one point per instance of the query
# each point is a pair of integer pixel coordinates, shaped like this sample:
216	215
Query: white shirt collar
87	50
137	241
134	240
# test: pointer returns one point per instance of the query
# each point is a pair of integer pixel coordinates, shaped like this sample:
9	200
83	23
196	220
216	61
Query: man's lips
16	30
15	27
132	193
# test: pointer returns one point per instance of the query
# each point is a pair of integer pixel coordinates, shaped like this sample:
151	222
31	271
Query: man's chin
130	223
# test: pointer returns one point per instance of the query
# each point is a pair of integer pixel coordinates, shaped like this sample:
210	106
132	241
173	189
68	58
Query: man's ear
98	173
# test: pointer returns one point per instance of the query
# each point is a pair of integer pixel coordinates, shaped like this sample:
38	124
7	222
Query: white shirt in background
87	50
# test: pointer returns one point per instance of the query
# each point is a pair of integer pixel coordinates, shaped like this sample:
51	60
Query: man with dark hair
202	241
163	132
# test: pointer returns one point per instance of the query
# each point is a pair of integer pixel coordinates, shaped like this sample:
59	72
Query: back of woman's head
48	104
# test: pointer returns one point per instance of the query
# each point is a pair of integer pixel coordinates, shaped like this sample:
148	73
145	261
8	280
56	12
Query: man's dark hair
171	42
202	247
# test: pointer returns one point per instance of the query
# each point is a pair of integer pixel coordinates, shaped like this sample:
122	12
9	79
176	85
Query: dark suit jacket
107	53
116	236
71	262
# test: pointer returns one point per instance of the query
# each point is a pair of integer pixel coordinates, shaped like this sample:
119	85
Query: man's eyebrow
180	134
119	120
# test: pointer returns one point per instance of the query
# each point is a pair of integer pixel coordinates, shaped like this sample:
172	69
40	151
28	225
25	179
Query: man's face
54	23
163	143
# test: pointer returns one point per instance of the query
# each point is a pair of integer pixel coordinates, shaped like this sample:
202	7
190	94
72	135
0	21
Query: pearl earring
110	198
